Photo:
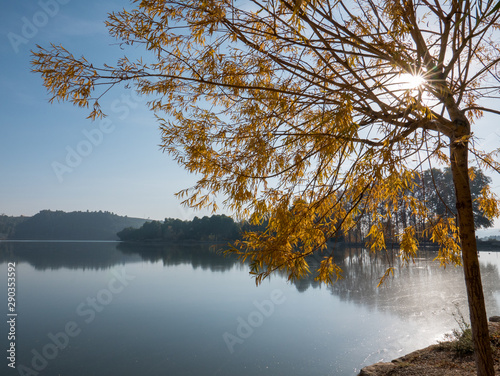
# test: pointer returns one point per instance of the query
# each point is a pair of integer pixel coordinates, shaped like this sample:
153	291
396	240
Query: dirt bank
436	360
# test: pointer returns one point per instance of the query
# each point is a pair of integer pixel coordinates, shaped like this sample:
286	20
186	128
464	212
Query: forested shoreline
60	225
207	229
433	188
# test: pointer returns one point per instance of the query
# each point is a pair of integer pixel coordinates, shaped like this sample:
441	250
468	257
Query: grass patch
460	339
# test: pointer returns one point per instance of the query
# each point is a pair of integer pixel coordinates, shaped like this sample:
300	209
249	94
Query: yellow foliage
409	245
292	112
327	270
488	203
388	272
445	233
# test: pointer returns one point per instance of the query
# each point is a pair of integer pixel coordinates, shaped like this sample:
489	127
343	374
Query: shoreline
436	360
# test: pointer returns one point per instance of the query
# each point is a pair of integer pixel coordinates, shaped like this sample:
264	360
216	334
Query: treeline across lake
78	225
8	225
433	188
214	228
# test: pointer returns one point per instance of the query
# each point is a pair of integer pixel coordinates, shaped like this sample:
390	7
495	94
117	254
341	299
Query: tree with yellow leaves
312	114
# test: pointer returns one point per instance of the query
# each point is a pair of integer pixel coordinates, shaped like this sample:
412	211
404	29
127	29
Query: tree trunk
477	309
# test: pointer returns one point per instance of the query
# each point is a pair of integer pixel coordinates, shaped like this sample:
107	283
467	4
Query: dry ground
435	360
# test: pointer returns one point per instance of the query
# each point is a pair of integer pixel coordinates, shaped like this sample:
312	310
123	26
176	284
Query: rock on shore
377	369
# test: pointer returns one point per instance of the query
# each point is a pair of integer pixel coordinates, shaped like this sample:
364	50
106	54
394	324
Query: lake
107	308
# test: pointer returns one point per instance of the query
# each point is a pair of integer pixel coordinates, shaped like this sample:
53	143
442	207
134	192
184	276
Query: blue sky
52	157
45	158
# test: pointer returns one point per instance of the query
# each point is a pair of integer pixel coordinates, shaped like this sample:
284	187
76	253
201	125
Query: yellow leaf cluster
291	113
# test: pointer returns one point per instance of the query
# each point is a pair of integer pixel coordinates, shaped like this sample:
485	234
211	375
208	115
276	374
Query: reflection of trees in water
199	255
71	255
413	287
105	255
491	283
422	286
361	270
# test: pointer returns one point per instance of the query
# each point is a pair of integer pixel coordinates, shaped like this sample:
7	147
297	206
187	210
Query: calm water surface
114	309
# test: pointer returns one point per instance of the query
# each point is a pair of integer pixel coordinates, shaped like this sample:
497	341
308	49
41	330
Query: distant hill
59	225
8	224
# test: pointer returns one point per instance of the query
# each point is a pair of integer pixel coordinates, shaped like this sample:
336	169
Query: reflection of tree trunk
478	318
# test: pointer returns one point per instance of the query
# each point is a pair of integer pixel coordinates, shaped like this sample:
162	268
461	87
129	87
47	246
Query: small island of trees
214	228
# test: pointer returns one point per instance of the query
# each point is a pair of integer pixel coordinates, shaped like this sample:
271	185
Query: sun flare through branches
411	81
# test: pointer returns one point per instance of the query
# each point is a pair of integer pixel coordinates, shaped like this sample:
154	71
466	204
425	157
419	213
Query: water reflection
105	255
171	317
412	285
197	255
69	255
422	281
